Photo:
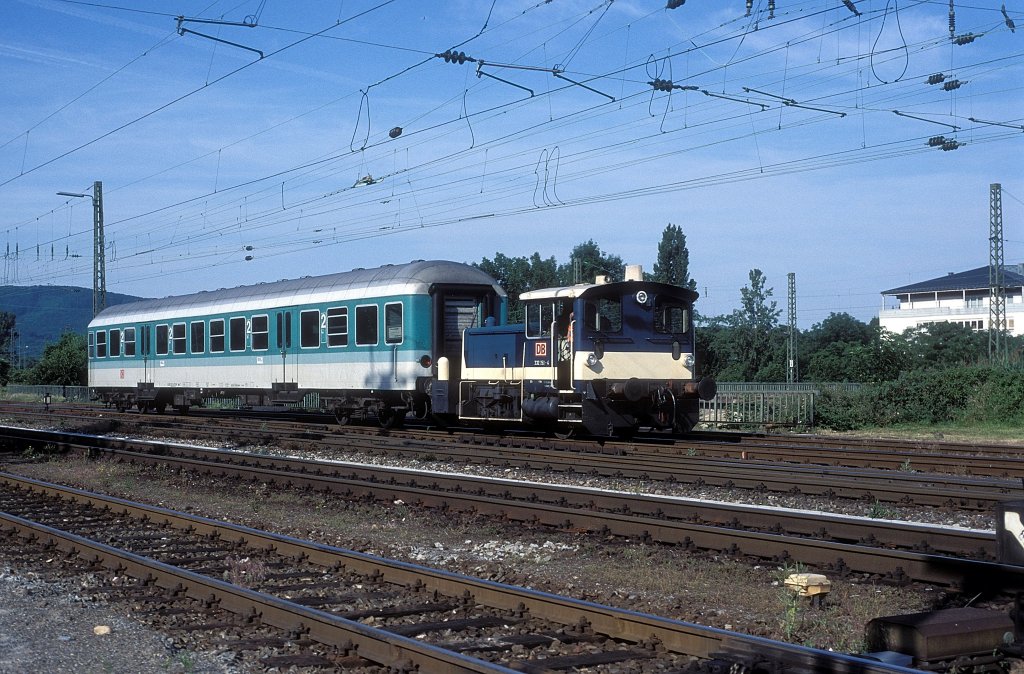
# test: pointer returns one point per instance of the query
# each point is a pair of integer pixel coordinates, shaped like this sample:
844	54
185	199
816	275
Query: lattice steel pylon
997	338
99	261
792	368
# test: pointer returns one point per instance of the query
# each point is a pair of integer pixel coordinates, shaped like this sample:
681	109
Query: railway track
719	464
897	552
338	608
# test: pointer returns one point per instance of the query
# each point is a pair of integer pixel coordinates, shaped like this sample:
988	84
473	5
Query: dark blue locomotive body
606	358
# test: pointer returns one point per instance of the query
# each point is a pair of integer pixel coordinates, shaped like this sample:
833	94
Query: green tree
587	261
520	274
673	264
62	364
755	322
946	344
8	336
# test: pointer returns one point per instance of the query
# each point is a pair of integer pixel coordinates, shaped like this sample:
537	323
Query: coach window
366	325
129	341
178	338
260	333
115	343
337	326
101	343
161	340
197	337
217	335
539	316
393	332
237	326
309	329
671	317
92	345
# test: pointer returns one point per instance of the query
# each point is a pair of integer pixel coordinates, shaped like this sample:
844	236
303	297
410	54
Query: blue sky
777	145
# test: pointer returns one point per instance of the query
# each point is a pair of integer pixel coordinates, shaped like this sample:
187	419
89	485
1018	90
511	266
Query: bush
954	394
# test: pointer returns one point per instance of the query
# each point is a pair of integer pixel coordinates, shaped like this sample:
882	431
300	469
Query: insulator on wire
953	84
395	132
951	144
852	7
750	6
936	141
937	78
961	40
673	4
952	19
771	9
455	57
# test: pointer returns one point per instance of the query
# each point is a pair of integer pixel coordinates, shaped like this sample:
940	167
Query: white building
955	298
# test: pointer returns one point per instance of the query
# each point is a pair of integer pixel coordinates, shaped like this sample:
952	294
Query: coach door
146	339
455	309
284	347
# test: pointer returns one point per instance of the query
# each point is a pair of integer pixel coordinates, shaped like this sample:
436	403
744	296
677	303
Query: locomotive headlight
592	360
688	360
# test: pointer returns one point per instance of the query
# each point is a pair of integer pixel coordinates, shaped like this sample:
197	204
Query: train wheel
143	408
343	418
160	407
389	417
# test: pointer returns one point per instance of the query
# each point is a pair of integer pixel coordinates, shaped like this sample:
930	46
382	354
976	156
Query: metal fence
759	408
75	394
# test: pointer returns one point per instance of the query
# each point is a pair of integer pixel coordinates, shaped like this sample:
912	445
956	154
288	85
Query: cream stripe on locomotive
613	365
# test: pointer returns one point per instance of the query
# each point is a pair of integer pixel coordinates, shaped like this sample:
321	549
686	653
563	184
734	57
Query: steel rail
380	646
628	515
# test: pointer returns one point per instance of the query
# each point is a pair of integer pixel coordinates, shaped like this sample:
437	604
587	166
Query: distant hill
43	313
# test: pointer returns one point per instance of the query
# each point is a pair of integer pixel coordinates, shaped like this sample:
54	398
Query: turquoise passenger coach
366	341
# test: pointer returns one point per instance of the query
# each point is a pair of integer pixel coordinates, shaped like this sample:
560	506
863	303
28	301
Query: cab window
539	316
671	317
603	314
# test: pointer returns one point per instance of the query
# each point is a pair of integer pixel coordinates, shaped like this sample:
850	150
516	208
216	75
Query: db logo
122	373
540	349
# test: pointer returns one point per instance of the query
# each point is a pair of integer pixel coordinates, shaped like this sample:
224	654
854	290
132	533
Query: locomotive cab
607	358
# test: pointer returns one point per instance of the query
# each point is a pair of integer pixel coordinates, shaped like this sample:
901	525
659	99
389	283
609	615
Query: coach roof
412	278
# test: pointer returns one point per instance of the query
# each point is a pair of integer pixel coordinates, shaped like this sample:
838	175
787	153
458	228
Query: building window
393	332
260	333
217	336
309	329
366	325
101	344
237	326
337	326
115	343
